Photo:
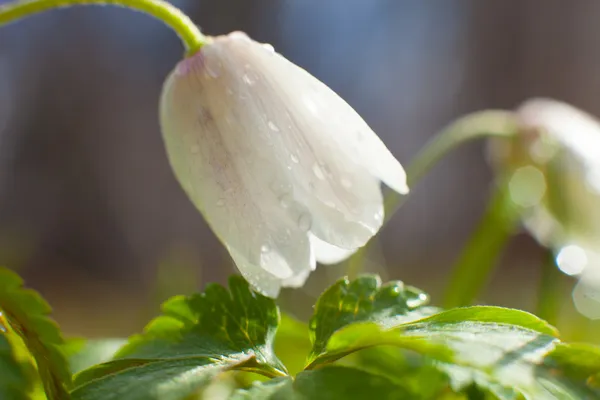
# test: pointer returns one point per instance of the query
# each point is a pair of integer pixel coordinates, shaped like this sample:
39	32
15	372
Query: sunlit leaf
197	336
508	352
162	380
364	300
27	314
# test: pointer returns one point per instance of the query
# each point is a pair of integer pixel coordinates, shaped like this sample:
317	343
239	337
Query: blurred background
91	214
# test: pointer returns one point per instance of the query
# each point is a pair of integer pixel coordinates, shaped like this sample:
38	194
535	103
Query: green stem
188	32
488	123
549	295
480	255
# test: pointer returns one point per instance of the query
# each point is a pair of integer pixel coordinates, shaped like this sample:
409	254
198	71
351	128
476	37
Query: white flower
284	171
555	167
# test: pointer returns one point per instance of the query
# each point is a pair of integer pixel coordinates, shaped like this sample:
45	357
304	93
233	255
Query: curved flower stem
481	124
187	31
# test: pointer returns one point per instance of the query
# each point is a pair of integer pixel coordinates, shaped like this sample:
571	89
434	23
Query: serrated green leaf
328	383
364	300
508	352
218	329
162	380
496	354
27	314
14	383
214	323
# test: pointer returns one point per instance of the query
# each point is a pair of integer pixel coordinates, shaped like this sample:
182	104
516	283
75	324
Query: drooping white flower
555	167
284	171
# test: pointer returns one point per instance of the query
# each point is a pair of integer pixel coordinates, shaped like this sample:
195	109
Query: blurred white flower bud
284	171
553	166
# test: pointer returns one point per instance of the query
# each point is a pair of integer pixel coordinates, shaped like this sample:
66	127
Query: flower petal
326	253
343	197
214	155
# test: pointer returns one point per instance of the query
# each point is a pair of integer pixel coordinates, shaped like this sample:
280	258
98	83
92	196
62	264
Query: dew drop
272	126
304	222
294	158
265	248
269	47
239	35
318	171
330	204
286	200
418	301
311	105
249	79
378	215
195	149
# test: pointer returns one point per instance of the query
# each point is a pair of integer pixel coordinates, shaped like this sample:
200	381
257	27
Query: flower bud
553	166
284	171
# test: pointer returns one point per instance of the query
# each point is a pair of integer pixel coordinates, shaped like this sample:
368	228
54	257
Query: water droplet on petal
239	35
318	171
272	126
304	222
311	105
220	202
286	200
195	149
269	47
249	79
378	215
294	158
265	248
347	183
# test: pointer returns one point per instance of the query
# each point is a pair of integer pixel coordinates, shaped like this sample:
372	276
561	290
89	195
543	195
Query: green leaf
27	314
572	370
162	380
508	352
363	300
407	369
210	332
14	383
505	351
328	383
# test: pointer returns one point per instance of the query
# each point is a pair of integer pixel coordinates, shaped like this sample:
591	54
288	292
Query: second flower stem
479	257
